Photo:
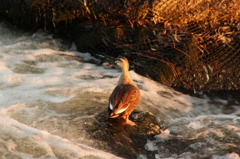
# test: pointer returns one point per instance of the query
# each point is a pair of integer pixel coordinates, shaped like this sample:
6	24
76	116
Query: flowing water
50	94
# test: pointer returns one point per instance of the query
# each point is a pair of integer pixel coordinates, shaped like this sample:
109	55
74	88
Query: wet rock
124	140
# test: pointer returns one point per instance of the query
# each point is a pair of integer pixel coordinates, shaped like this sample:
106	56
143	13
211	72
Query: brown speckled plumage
125	97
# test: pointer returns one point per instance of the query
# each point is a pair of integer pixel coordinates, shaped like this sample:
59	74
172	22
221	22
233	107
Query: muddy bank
195	47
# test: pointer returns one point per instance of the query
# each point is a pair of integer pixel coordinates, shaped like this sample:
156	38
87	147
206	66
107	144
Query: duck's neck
125	78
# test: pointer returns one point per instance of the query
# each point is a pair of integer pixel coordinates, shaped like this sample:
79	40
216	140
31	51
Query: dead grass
197	39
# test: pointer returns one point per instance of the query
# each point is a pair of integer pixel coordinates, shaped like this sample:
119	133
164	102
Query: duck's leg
128	122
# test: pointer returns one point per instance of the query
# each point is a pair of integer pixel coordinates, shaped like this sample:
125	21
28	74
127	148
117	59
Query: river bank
195	47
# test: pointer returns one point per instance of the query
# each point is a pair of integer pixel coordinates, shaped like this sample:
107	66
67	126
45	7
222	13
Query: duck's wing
122	97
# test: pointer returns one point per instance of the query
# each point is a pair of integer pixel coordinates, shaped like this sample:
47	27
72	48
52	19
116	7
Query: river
49	92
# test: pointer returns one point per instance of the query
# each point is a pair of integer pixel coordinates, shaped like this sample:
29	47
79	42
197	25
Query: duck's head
122	62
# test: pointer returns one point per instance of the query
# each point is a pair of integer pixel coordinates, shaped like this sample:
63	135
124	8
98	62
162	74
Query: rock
125	141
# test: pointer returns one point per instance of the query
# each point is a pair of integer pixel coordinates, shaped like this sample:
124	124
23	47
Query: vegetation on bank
193	44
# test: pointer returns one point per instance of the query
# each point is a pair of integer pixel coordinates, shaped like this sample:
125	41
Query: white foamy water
48	93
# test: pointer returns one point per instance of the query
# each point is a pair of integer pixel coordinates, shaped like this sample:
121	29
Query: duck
125	96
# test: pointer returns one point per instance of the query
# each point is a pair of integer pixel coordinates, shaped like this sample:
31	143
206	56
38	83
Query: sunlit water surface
48	91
